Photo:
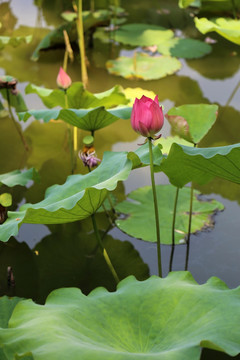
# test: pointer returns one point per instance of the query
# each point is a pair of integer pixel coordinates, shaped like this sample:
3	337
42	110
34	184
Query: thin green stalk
189	225
104	251
229	99
155	208
189	228
81	44
234	9
173	229
70	136
14	122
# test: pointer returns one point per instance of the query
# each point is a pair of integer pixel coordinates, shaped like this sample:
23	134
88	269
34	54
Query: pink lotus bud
147	116
63	80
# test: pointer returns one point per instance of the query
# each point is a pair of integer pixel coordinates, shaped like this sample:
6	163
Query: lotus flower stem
189	225
105	254
155	208
81	44
173	229
14	122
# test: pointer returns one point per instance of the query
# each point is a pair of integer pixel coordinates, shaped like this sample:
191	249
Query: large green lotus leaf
78	97
142	34
167	319
228	28
143	66
7	306
18	177
85	119
185	164
70	258
192	122
139	211
79	197
14	41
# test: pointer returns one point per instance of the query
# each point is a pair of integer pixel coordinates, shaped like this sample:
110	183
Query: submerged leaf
139	212
143	66
167	319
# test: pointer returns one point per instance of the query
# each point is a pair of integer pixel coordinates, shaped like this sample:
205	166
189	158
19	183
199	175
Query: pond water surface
48	257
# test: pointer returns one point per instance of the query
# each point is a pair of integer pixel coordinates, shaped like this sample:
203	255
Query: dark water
47	257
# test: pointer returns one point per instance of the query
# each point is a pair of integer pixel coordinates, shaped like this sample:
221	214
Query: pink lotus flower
63	80
147	116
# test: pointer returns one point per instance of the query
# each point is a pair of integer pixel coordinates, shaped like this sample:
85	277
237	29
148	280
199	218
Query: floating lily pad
14	40
78	97
142	34
85	119
185	164
139	211
143	66
192	122
18	177
168	319
185	48
228	28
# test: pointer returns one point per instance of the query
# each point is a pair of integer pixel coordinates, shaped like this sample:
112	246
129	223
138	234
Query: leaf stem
104	251
173	229
14	122
155	208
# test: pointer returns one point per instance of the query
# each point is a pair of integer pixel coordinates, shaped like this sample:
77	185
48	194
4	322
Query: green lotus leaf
143	66
185	48
78	97
142	34
167	142
79	197
192	122
140	157
85	119
185	164
168	319
7	306
139	212
14	40
228	28
18	177
15	100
